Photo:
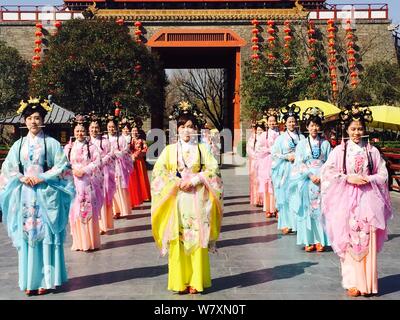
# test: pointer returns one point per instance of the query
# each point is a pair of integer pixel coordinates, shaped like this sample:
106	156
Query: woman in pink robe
85	210
108	174
256	153
265	187
123	167
356	205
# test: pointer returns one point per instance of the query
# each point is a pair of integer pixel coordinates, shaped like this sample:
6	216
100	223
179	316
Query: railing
354	11
37	13
392	156
61	12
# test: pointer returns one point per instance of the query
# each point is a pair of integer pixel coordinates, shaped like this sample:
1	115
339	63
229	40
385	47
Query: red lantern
255	22
333	76
332	60
38	42
271	56
331	36
271	39
37	58
350	51
138	67
349	36
287	30
332	51
254	39
37	49
255	47
138	32
271	31
311	31
331	44
117	111
354	74
332	67
286	23
314	68
138	24
255	31
57	24
38	34
352	59
286	45
350	44
120	22
287	38
312	41
349	29
313	75
331	21
270	22
255	56
39	25
334	82
354	83
311	59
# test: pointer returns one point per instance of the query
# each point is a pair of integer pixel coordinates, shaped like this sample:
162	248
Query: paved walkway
254	261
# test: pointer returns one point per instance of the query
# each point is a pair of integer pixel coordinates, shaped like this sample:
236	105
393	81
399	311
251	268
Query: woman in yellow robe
186	209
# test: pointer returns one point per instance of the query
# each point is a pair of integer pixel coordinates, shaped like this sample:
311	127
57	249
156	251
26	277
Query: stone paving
254	261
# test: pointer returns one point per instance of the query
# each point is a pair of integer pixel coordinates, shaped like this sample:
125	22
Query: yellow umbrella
385	117
328	108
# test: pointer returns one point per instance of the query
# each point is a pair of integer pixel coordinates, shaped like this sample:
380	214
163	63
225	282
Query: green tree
273	83
381	82
91	64
14	74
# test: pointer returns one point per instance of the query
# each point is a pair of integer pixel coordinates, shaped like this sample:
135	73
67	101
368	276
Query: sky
394	5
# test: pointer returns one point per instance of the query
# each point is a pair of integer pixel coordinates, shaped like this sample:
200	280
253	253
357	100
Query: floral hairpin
313	112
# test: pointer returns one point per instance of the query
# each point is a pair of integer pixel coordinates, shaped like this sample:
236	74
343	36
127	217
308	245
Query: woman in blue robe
283	157
311	154
36	190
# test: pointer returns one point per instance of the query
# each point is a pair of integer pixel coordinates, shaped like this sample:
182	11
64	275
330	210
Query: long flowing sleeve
54	195
207	199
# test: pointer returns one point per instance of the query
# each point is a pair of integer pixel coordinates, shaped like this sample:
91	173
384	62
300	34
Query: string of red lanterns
350	54
138	32
311	48
288	38
271	39
38	45
255	40
332	57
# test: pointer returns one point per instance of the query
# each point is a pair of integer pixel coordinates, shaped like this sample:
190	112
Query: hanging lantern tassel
350	54
38	45
332	56
138	32
271	39
312	42
255	40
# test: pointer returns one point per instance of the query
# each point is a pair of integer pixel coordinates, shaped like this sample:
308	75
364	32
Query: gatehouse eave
201	15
